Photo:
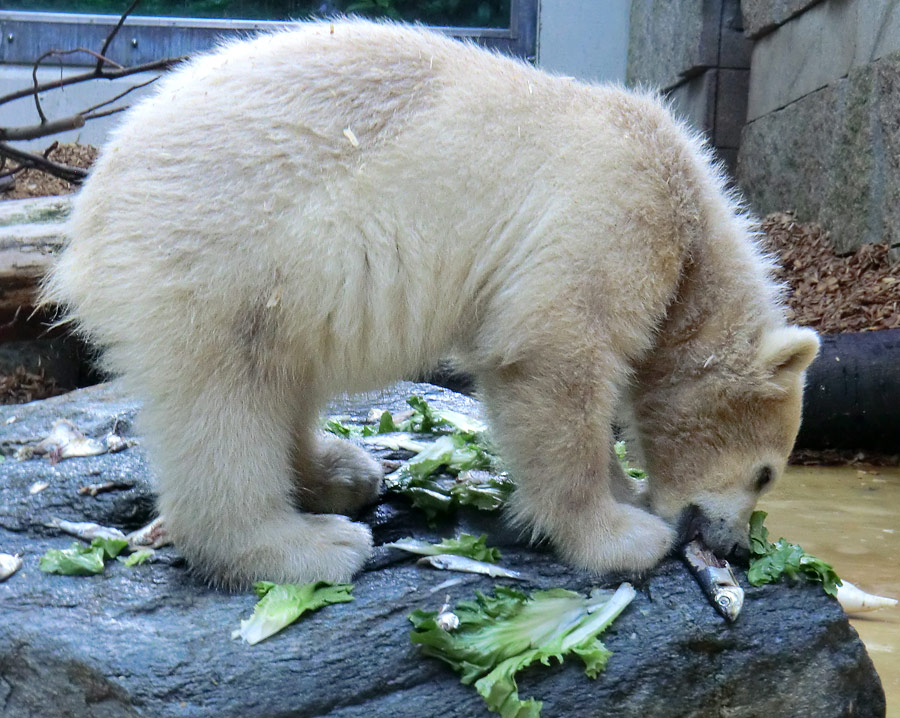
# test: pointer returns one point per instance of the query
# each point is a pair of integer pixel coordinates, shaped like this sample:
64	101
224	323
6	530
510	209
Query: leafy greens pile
769	561
500	635
458	468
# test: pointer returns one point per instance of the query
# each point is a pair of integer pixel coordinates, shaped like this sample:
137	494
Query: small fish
715	578
85	530
452	562
9	564
413	546
66	441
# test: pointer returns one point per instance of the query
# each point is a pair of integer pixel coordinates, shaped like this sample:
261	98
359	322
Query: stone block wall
823	116
694	51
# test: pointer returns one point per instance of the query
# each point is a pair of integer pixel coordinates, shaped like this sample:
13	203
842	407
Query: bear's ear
785	352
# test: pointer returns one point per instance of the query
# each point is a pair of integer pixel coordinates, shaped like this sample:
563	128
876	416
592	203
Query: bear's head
714	439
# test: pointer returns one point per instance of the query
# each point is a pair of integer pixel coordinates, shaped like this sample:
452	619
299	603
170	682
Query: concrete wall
587	39
64	102
823	132
695	51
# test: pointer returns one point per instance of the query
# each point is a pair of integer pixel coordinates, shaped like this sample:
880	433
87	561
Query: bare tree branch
120	95
91	75
105	69
70	174
32	132
109	38
105	113
35	92
100	57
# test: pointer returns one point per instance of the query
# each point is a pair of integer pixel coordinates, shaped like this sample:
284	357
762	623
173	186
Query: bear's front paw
342	479
627	540
292	548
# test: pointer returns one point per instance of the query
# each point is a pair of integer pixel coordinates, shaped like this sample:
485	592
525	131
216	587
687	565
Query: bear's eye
763	478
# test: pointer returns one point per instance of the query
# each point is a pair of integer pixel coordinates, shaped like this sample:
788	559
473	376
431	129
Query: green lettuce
771	561
466	545
423	420
445	473
622	456
138	557
81	560
453	453
435	495
500	635
282	604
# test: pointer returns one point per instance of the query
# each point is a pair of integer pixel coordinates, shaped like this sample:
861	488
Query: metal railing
25	35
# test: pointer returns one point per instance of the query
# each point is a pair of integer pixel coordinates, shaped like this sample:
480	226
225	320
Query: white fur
335	207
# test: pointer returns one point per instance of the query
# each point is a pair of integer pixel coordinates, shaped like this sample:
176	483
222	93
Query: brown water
851	518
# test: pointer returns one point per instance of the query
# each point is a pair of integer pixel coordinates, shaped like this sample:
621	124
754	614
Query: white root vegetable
855	600
9	564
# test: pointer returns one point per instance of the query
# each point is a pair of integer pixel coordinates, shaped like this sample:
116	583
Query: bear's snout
723	537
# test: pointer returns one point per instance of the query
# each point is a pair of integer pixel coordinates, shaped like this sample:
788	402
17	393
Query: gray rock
715	102
762	16
818	48
694	100
152	641
669	41
832	157
734	46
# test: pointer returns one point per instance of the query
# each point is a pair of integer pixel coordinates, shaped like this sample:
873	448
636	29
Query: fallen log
30	234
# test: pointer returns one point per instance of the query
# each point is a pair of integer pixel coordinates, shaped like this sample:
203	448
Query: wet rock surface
151	640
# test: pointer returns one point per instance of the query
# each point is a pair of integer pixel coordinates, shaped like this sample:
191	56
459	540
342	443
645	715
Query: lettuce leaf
500	635
111	547
466	545
138	557
77	560
81	560
282	604
770	561
455	453
622	456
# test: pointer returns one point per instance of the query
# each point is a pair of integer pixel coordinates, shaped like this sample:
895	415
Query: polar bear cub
337	206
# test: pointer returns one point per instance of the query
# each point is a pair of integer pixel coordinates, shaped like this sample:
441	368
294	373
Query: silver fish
715	578
85	530
452	562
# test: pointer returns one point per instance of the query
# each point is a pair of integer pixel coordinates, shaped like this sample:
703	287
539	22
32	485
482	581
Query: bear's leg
335	476
223	452
551	418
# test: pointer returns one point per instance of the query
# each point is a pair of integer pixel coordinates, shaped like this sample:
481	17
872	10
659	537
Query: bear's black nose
689	524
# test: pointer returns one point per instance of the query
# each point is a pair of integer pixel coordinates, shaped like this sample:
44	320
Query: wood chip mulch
854	293
22	386
33	183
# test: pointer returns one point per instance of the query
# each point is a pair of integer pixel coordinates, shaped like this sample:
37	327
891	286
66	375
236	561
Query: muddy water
851	518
